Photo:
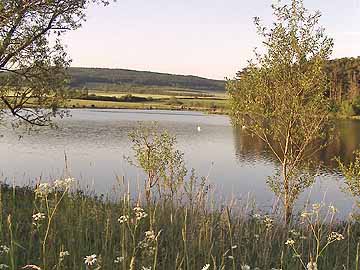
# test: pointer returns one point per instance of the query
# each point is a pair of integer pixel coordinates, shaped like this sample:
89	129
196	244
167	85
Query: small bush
174	101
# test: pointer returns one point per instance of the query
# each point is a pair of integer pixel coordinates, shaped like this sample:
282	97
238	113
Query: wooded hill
344	80
123	79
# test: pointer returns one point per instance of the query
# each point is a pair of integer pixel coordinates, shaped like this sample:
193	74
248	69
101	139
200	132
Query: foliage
124	98
99	78
280	98
174	101
347	108
344	79
156	155
316	220
351	174
356	105
32	59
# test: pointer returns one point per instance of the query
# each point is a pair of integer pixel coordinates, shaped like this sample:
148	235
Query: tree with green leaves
351	173
279	97
32	58
155	153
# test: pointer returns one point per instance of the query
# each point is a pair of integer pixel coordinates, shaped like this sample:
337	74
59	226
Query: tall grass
56	227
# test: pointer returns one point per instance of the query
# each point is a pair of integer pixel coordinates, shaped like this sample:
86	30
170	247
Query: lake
95	142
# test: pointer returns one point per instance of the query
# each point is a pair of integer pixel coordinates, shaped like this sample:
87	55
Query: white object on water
198	128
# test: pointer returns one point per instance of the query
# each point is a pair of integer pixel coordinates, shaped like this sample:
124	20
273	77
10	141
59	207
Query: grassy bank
56	227
185	101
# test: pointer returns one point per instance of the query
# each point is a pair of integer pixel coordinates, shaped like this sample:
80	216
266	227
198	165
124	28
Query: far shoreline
102	105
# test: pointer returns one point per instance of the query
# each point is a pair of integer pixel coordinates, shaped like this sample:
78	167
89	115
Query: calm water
95	142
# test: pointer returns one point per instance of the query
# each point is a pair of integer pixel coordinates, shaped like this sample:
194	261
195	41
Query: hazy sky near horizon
208	38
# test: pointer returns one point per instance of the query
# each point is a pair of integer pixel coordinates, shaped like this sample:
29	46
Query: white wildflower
138	209
316	207
63	254
43	190
332	209
90	260
118	259
311	266
139	213
31	266
64	184
4	249
295	233
306	214
268	222
206	267
123	219
234	247
231	257
245	267
150	235
290	242
38	216
335	236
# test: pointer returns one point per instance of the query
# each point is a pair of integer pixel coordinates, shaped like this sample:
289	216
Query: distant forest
123	79
343	74
344	79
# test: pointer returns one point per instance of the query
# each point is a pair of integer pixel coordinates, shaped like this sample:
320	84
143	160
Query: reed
53	226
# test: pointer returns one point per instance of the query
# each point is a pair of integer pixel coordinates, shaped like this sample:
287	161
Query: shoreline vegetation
208	103
56	226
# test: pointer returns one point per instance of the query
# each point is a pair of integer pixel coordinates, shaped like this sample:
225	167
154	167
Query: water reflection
346	139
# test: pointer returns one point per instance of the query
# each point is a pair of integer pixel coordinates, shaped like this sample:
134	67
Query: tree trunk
287	196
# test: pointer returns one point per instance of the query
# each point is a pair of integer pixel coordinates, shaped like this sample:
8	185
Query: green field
215	104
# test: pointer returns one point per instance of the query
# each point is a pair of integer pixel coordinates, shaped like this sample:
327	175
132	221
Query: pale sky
208	38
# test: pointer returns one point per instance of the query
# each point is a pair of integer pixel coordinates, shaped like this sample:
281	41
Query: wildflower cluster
335	236
44	189
64	184
63	254
316	209
123	219
119	259
4	249
38	217
243	267
311	266
290	242
268	222
139	214
147	245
